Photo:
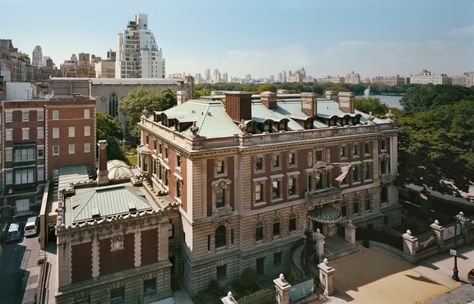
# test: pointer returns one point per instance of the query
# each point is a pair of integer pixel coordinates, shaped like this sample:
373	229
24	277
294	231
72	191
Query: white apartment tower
37	58
138	55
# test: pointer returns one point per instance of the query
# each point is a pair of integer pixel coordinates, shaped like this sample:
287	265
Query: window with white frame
356	174
39	115
87	113
55	132
55	150
40	133
55	115
292	181
178	161
343	152
319	155
25	133
24	154
220	198
8	116
8	134
276	189
8	177
24	176
25	116
291	159
40	152
72	131
72	149
87	131
367	171
220	167
259	192
8	154
87	147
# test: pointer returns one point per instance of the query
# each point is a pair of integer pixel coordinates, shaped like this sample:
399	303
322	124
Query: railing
325	195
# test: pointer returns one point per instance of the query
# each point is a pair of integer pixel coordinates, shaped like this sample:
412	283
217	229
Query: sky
259	37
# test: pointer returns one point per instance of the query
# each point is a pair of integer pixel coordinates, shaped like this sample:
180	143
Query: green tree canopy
438	145
373	105
427	97
139	99
106	126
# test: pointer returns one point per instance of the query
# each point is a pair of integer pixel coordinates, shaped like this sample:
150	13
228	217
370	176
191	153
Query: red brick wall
149	242
114	261
81	262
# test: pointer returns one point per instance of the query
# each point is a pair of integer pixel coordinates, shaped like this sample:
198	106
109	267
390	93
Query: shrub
264	293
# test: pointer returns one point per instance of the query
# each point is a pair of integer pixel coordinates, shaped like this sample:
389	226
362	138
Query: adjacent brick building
251	173
38	137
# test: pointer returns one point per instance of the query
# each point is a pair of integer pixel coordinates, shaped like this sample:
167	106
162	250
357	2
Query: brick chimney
238	105
309	103
269	99
332	95
181	97
346	102
102	174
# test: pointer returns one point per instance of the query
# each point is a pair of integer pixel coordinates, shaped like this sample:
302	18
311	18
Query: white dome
118	170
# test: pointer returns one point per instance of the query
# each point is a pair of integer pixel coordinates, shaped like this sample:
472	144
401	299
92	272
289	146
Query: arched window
220	236
113	105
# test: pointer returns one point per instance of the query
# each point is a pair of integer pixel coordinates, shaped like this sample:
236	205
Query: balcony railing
318	197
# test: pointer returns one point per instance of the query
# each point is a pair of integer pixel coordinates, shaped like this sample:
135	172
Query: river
389	100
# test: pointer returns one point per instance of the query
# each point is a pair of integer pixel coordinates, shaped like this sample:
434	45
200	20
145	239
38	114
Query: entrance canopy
327	215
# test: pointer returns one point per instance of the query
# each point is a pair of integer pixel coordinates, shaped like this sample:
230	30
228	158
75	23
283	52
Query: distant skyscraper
138	55
225	77
352	78
37	58
216	76
208	75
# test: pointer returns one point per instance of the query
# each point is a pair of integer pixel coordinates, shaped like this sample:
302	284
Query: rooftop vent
95	213
132	208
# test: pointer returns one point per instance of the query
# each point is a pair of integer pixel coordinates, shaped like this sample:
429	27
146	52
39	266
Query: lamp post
455	269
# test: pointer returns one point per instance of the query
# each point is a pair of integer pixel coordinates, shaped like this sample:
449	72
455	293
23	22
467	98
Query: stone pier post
350	233
318	239
229	299
410	244
437	230
282	288
326	277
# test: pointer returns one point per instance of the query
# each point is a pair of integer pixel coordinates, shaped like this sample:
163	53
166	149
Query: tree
108	128
373	105
139	99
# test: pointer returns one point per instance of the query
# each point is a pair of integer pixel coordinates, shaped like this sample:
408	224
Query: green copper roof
70	175
327	214
101	202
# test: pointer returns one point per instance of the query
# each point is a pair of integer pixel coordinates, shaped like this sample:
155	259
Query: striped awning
326	214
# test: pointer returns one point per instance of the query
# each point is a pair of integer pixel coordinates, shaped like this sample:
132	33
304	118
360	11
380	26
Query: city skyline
326	38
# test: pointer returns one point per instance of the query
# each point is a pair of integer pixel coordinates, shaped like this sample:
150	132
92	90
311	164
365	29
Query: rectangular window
259	233
179	186
367	148
8	155
72	131
355	150
40	152
319	155
8	177
277	259
39	115
166	153
24	176
292	224
356	173
221	272
258	163
72	149
40	133
87	147
219	167
8	134
291	158
25	116
160	148
25	133
276	228
342	152
55	150
55	114
55	132
258	193
220	198
291	186
383	144
343	210
276	190
149	286
367	203
117	295
9	116
178	161
356	206
40	173
87	113
367	171
87	131
276	160
24	154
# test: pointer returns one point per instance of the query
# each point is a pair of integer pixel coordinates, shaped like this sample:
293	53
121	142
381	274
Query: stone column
318	239
437	230
393	155
282	288
410	244
138	248
95	256
163	240
326	277
350	233
229	299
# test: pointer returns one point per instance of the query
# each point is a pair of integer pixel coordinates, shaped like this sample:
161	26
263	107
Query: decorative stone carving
390	115
117	243
194	130
221	183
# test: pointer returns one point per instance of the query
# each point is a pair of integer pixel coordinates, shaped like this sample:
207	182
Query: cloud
461	32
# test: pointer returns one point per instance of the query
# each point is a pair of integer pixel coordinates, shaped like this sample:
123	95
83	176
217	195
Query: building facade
426	77
390	81
138	55
38	137
76	68
249	188
14	65
465	80
352	78
37	57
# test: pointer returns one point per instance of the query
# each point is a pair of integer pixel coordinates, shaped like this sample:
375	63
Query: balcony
319	197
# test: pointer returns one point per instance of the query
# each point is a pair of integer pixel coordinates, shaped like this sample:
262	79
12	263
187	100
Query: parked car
31	226
14	232
470	276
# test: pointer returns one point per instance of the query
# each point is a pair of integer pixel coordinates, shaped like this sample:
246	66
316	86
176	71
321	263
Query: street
19	268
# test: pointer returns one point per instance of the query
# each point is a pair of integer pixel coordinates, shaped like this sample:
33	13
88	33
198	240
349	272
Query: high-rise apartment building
426	77
138	55
37	57
352	78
